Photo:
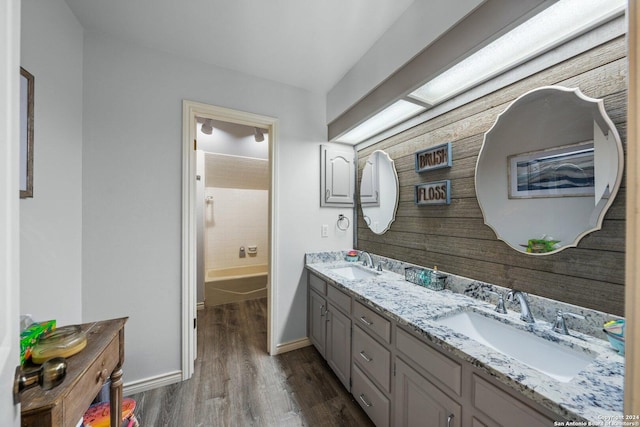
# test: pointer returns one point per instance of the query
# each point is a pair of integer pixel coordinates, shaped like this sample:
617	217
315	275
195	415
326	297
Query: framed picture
555	172
26	133
433	193
434	158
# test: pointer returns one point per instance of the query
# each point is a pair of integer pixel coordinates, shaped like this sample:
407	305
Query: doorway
233	198
192	112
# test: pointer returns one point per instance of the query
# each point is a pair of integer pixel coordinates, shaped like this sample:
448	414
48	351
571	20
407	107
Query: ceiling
305	43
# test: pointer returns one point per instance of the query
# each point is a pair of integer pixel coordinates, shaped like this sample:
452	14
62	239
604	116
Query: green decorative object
540	246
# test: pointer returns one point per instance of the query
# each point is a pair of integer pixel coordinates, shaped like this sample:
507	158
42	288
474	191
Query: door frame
10	211
191	109
632	254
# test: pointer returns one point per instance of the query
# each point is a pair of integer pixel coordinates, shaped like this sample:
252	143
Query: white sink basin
354	272
552	359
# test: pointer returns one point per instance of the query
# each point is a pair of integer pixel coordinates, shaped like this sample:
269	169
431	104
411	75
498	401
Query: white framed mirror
548	170
379	192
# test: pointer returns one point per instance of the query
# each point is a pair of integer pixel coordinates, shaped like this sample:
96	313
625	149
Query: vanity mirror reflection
548	170
379	192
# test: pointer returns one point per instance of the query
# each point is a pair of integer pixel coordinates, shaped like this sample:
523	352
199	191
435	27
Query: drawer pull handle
102	376
363	398
449	419
365	357
322	311
365	321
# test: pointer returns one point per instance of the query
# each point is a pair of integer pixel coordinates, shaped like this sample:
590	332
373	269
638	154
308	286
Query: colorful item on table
615	327
352	256
614	330
30	337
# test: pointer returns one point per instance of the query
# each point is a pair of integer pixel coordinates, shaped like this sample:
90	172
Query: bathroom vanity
389	343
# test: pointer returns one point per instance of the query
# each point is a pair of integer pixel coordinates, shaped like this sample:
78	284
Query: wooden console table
102	358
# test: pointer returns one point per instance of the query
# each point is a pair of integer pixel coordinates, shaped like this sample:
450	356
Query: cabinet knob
102	376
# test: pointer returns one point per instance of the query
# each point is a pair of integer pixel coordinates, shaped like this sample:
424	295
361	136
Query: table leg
115	395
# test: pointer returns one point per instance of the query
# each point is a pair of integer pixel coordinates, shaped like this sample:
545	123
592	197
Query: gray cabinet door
369	184
337	176
338	350
317	321
417	402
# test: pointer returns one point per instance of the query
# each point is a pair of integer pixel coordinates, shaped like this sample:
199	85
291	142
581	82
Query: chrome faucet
500	308
560	326
364	262
525	312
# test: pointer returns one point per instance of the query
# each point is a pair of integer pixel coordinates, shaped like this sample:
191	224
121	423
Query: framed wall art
556	172
433	193
434	158
26	133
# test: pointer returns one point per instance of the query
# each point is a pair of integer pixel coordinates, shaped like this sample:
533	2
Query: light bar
556	24
397	112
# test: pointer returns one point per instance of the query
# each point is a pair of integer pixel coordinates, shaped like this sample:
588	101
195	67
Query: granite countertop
595	394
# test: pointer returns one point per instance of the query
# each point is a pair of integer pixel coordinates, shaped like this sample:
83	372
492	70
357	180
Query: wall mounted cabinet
337	176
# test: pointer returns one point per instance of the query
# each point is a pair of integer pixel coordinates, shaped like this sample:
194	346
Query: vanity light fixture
558	23
207	127
397	112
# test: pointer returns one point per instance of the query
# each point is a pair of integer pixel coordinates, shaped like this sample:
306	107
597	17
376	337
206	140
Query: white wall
51	221
132	191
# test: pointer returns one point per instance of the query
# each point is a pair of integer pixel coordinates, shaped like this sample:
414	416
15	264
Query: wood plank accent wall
455	238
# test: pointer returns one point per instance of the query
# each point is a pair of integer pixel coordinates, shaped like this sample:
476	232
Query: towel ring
341	218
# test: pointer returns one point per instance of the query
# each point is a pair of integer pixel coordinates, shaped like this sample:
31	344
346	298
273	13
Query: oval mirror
548	170
379	192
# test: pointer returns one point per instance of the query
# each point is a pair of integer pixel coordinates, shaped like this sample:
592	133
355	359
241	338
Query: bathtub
226	285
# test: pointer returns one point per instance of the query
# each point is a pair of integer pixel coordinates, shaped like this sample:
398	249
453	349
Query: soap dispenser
434	275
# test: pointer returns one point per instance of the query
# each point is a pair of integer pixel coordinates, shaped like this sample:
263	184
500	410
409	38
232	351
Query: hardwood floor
236	383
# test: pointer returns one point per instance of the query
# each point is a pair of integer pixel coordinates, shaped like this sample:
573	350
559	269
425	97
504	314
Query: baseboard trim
292	345
200	305
145	384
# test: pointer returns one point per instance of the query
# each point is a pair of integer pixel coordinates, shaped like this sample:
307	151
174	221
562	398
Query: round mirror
548	170
379	192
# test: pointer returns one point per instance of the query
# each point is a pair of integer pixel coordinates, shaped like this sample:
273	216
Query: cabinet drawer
340	299
438	365
318	284
372	400
89	384
372	357
372	322
503	408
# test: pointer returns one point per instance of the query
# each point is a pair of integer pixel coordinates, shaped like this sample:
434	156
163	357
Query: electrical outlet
325	230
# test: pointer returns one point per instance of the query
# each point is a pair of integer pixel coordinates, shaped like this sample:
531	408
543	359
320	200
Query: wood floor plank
236	383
